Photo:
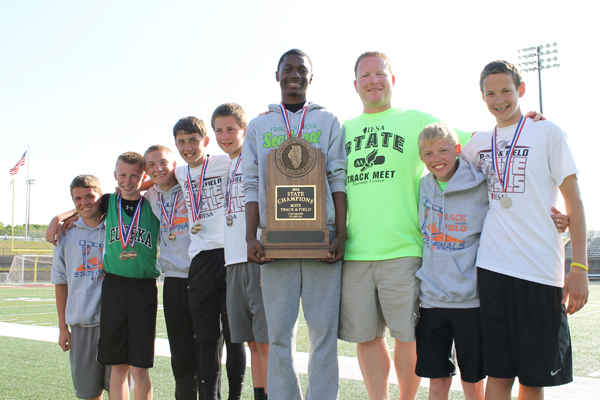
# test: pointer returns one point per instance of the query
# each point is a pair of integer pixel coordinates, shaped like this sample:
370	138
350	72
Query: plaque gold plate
296	202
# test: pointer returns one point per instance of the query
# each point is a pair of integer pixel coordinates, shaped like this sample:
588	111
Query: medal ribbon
196	200
504	178
163	210
286	119
125	234
229	185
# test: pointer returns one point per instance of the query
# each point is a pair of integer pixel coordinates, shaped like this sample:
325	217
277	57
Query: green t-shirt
442	185
144	265
382	186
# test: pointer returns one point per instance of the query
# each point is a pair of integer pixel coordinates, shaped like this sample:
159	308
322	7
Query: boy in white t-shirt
202	184
520	261
245	310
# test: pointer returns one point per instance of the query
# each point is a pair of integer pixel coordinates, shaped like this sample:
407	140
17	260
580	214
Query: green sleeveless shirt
144	265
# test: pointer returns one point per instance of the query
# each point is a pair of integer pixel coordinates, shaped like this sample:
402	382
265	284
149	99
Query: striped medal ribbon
196	198
170	219
503	177
229	192
286	119
125	232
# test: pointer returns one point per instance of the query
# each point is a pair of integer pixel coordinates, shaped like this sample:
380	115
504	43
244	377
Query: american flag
15	170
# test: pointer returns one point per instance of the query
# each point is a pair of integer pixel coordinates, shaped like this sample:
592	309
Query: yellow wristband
579	265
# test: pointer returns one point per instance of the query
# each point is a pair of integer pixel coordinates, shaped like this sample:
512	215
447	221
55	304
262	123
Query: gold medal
229	220
171	236
506	202
132	254
124	256
197	227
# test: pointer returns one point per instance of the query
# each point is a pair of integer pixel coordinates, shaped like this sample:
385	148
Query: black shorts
525	331
127	321
207	293
436	330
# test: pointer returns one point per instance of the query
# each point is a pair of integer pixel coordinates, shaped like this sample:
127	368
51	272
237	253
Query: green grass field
40	370
27	247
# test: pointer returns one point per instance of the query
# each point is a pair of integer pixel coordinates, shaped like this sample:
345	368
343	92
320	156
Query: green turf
26	247
48	373
584	326
48	376
40	370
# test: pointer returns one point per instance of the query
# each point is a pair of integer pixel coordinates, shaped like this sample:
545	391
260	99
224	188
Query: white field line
30	298
585	313
20	315
27	306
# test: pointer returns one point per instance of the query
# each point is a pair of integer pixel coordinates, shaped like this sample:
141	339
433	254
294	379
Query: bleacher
593	244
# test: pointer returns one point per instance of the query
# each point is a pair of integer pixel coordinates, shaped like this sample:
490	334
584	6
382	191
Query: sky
82	82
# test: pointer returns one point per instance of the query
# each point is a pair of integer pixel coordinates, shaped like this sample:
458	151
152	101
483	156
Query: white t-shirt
522	241
235	235
213	198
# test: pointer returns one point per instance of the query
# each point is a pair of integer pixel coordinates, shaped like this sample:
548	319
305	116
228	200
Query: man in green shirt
384	245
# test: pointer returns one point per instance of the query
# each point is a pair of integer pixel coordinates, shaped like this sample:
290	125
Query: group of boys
411	246
190	208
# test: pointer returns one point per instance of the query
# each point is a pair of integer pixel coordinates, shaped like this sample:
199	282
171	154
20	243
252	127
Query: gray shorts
245	309
89	376
376	294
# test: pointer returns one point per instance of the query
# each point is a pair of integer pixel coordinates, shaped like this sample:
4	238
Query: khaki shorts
376	294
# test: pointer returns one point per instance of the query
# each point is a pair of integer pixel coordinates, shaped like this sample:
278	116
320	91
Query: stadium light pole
538	63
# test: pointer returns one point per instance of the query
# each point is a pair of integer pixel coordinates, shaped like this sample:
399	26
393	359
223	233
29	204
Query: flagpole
12	234
27	199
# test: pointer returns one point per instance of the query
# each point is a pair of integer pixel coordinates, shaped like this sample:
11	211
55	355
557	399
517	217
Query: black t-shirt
294	107
128	205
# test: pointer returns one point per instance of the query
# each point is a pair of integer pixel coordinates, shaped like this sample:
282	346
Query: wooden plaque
295	202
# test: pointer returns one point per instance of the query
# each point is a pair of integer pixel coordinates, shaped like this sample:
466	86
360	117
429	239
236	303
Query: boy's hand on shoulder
535	116
146	185
575	290
336	250
53	231
64	339
54	228
256	253
68	224
560	220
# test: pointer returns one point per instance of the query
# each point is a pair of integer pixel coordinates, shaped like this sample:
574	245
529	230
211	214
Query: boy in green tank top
129	293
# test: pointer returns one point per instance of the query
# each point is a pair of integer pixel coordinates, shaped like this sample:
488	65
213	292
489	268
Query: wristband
580	266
